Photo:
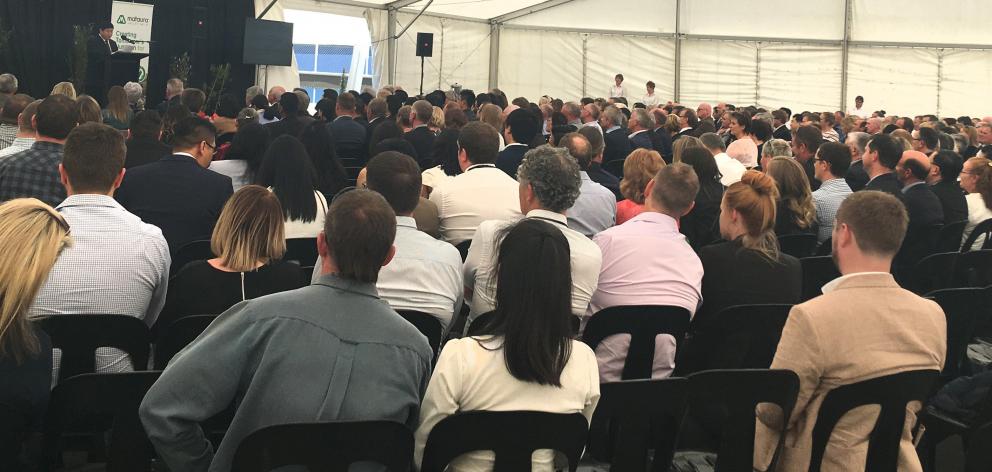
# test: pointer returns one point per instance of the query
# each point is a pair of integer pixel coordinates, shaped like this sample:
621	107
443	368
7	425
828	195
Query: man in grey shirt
596	208
330	351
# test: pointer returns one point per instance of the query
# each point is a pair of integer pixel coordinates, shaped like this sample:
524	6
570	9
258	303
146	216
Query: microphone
127	39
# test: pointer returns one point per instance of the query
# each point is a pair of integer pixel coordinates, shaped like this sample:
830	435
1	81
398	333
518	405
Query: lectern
123	68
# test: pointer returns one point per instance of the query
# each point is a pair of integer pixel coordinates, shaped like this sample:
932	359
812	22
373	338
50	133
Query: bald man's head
704	111
275	93
913	167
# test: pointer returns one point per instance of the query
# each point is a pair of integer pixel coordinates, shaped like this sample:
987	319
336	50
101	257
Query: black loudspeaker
425	44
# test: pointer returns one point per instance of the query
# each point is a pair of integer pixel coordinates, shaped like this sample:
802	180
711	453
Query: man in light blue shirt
830	166
596	208
333	351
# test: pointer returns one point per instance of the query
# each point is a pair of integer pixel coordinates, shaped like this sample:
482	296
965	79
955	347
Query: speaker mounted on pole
425	44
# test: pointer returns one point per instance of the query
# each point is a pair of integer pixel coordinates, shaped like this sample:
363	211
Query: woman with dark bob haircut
530	361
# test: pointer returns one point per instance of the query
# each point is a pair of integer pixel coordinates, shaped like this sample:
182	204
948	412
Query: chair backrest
331	446
482	324
979	453
973	269
982	229
747	336
178	335
302	250
463	248
642	323
965	309
427	324
892	393
614	167
950	236
634	416
78	400
189	252
817	271
797	245
825	248
934	272
736	393
79	336
512	435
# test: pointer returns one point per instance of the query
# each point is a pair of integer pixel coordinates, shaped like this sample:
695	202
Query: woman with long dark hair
744	148
244	158
701	225
319	142
288	172
530	362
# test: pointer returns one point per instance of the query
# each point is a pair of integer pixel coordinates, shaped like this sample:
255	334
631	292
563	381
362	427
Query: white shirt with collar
479	267
594	124
617	91
651	100
687	128
731	169
635	133
481	193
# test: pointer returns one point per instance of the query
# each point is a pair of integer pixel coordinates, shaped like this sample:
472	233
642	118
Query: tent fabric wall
722	71
535	63
461	53
800	76
625	15
901	81
921	21
965	86
810	19
638	58
379	33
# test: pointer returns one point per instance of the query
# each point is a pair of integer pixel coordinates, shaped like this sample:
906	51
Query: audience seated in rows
34	173
596	208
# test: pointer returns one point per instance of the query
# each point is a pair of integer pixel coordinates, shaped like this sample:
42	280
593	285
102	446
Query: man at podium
99	48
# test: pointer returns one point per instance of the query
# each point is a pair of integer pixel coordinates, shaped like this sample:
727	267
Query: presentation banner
133	21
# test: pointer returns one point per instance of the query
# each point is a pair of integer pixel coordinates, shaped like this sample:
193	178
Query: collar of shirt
46	146
418	126
833	184
346	117
347	285
683	129
833	284
878	176
914	184
479	166
635	133
184	154
721	155
406	221
583	175
89	200
612	129
514	144
548	215
654	217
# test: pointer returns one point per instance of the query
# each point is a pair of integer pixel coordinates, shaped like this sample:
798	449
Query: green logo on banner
121	20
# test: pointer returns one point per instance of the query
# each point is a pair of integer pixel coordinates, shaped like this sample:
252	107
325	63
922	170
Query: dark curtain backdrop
42	38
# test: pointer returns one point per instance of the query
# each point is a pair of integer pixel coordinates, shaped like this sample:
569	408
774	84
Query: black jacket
661	140
177	195
703	127
349	138
856	176
291	125
701	226
97	66
509	159
641	140
143	151
617	145
422	140
923	206
602	177
782	132
952	200
886	183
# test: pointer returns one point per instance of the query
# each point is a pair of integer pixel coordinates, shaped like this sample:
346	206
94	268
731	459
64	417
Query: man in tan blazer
863	326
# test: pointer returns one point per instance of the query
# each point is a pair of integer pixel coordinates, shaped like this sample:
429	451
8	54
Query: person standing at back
177	193
864	326
35	172
333	351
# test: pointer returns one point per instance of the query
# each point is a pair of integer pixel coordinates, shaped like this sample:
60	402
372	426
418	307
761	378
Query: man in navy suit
922	205
349	135
421	137
882	155
615	136
177	193
640	126
521	128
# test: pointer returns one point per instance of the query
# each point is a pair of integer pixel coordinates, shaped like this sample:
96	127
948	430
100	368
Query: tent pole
845	53
678	49
585	62
391	46
494	29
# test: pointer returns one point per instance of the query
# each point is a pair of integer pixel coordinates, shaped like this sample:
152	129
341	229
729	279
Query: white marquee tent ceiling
477	9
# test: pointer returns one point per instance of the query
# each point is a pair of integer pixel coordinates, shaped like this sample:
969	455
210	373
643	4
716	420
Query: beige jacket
865	327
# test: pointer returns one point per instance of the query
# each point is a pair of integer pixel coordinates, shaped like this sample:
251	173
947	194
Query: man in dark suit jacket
421	137
596	172
640	125
882	155
292	122
688	121
922	206
143	143
661	140
378	111
779	119
349	136
704	126
521	128
177	193
99	48
945	167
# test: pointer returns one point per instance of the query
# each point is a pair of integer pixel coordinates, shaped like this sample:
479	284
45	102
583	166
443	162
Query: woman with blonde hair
437	120
795	213
492	115
976	179
683	143
638	169
89	110
118	113
32	235
64	88
747	268
249	243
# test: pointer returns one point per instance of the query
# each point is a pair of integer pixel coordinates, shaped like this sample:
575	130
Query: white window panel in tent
535	63
799	76
461	54
901	81
921	21
657	16
718	71
638	58
809	19
965	82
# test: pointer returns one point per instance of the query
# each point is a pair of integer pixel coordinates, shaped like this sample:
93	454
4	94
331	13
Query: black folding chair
934	272
742	337
982	229
463	248
642	323
512	435
79	336
979	450
825	248
892	393
614	167
950	236
940	425
189	252
817	272
427	324
797	245
483	324
306	275
178	335
302	250
635	416
727	399
973	269
329	446
965	309
76	401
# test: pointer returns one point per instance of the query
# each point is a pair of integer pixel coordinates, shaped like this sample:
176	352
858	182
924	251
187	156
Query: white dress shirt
731	169
481	193
117	265
308	229
480	265
594	124
977	213
617	91
651	100
594	210
471	375
233	168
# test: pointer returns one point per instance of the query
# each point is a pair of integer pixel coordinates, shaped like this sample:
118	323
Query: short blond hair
638	169
64	88
250	230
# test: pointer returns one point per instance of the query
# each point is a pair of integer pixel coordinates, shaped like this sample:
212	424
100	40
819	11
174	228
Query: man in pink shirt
646	261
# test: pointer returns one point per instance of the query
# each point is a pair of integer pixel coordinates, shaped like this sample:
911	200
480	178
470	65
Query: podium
123	67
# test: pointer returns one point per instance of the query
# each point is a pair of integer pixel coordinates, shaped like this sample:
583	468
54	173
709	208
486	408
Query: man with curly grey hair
549	185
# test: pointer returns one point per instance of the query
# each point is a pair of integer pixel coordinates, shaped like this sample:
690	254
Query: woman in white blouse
288	172
530	362
976	179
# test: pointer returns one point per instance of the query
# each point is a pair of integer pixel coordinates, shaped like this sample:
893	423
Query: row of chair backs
966	309
982	229
953	270
643	323
178	335
428	325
